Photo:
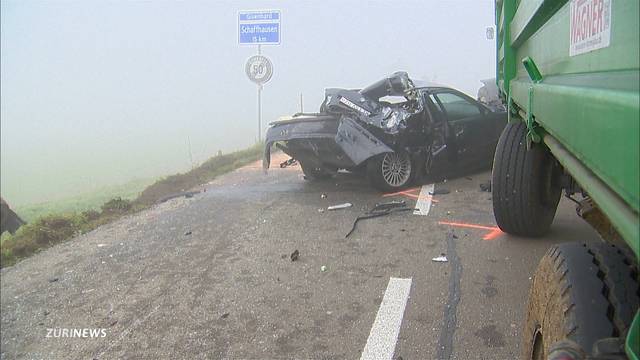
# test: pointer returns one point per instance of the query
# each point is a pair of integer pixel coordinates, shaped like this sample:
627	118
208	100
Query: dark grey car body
354	126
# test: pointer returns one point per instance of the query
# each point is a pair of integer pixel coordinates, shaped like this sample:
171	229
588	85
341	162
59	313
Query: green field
82	202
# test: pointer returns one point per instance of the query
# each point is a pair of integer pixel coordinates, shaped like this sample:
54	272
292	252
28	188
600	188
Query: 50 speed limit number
259	69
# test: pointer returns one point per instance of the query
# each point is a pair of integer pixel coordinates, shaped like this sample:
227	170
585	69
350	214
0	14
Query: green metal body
585	107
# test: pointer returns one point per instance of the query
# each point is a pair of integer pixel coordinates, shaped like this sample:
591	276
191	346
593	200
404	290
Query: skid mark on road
382	339
493	231
450	320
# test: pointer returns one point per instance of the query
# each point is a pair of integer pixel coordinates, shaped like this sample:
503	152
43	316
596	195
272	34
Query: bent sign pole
259	27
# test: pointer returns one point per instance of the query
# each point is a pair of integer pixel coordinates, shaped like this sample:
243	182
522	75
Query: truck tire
526	188
314	172
580	292
390	171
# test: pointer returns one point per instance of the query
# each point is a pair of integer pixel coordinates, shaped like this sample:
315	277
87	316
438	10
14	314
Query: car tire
390	171
582	293
526	188
315	173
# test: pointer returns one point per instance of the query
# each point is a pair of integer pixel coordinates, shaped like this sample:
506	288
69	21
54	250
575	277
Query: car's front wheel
390	171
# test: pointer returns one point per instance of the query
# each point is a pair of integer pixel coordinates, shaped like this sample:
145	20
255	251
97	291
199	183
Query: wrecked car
394	130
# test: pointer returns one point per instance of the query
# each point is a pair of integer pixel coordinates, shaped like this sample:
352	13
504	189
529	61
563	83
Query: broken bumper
324	140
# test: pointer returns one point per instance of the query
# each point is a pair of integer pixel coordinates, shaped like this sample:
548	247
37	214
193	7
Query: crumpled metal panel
319	128
358	143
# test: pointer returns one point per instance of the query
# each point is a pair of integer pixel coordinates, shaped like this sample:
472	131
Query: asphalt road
211	277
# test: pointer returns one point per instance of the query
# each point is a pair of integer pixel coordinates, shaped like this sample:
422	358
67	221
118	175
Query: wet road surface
211	276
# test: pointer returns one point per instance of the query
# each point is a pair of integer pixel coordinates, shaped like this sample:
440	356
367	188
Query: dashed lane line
382	339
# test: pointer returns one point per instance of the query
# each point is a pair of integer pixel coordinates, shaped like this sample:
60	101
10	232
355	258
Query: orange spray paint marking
493	231
410	193
401	192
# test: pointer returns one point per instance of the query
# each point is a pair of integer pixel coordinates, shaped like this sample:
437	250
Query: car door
469	128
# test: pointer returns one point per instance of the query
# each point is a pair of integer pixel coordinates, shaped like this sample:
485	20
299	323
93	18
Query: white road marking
423	205
384	333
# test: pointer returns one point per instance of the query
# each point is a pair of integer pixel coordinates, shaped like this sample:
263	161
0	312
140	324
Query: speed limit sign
259	69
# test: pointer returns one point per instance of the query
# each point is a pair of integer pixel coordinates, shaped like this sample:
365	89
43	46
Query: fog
99	93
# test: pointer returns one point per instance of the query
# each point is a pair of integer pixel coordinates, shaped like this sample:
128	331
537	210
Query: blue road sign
259	27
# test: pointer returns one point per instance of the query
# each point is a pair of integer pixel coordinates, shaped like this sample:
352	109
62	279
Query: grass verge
50	229
91	200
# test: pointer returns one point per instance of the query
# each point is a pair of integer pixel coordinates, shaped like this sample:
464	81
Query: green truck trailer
568	71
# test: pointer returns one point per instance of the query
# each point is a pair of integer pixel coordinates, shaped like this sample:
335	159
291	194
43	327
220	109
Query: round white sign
259	69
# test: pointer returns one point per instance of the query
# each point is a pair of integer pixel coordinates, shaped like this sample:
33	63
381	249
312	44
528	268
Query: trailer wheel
312	172
580	292
526	188
390	171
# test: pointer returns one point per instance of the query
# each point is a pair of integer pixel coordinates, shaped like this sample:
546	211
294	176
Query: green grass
59	221
83	202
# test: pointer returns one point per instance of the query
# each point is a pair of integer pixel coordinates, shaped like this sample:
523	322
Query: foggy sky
96	93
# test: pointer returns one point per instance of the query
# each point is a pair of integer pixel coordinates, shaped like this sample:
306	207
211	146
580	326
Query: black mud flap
358	143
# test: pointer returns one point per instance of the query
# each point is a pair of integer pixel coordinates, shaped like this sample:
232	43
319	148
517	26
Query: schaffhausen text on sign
259	27
590	27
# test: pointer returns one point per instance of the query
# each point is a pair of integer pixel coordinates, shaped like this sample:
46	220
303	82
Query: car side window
435	106
457	107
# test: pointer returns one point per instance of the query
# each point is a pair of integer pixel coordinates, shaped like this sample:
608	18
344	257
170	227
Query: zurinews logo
76	333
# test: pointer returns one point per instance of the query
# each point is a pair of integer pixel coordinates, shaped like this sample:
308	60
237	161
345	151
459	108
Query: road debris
439	192
188	194
486	186
389	205
290	162
323	196
295	255
340	206
380	209
320	210
441	258
323	268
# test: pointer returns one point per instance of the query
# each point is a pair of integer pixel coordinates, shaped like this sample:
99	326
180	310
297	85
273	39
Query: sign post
259	27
